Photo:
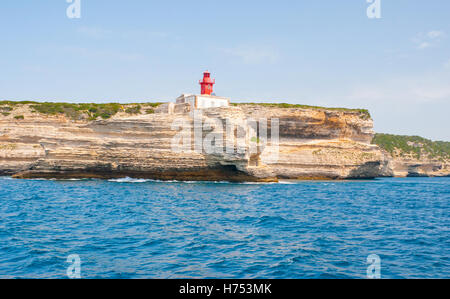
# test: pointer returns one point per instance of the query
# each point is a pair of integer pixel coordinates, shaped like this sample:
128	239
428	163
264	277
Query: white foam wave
129	180
134	180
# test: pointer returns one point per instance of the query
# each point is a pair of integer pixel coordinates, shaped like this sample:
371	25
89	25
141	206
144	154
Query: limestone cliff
68	143
320	143
413	156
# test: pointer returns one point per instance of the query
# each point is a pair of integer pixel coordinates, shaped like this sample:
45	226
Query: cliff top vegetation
398	145
93	111
80	111
364	112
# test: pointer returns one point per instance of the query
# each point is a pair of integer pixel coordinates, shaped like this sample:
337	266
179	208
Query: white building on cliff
206	99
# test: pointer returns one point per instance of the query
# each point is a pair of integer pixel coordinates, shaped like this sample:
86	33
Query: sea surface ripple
146	229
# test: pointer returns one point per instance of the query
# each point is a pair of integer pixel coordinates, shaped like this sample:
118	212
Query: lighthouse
207	84
206	98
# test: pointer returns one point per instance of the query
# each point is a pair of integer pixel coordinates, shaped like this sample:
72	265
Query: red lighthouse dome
207	83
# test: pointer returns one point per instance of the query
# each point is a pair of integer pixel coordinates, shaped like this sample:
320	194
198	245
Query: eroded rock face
313	144
410	166
320	144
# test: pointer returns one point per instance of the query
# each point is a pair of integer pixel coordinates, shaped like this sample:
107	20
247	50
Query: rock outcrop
413	156
312	144
416	167
320	143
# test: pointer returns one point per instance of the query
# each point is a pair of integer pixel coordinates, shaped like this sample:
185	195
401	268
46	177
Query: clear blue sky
326	53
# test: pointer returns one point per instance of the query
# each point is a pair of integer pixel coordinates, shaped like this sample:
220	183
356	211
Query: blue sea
131	228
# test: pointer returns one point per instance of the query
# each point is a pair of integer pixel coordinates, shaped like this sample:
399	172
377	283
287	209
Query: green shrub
19	117
154	105
89	111
6	108
134	110
415	145
6	113
13	103
78	111
255	140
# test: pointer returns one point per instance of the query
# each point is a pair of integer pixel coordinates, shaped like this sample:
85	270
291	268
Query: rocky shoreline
313	144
